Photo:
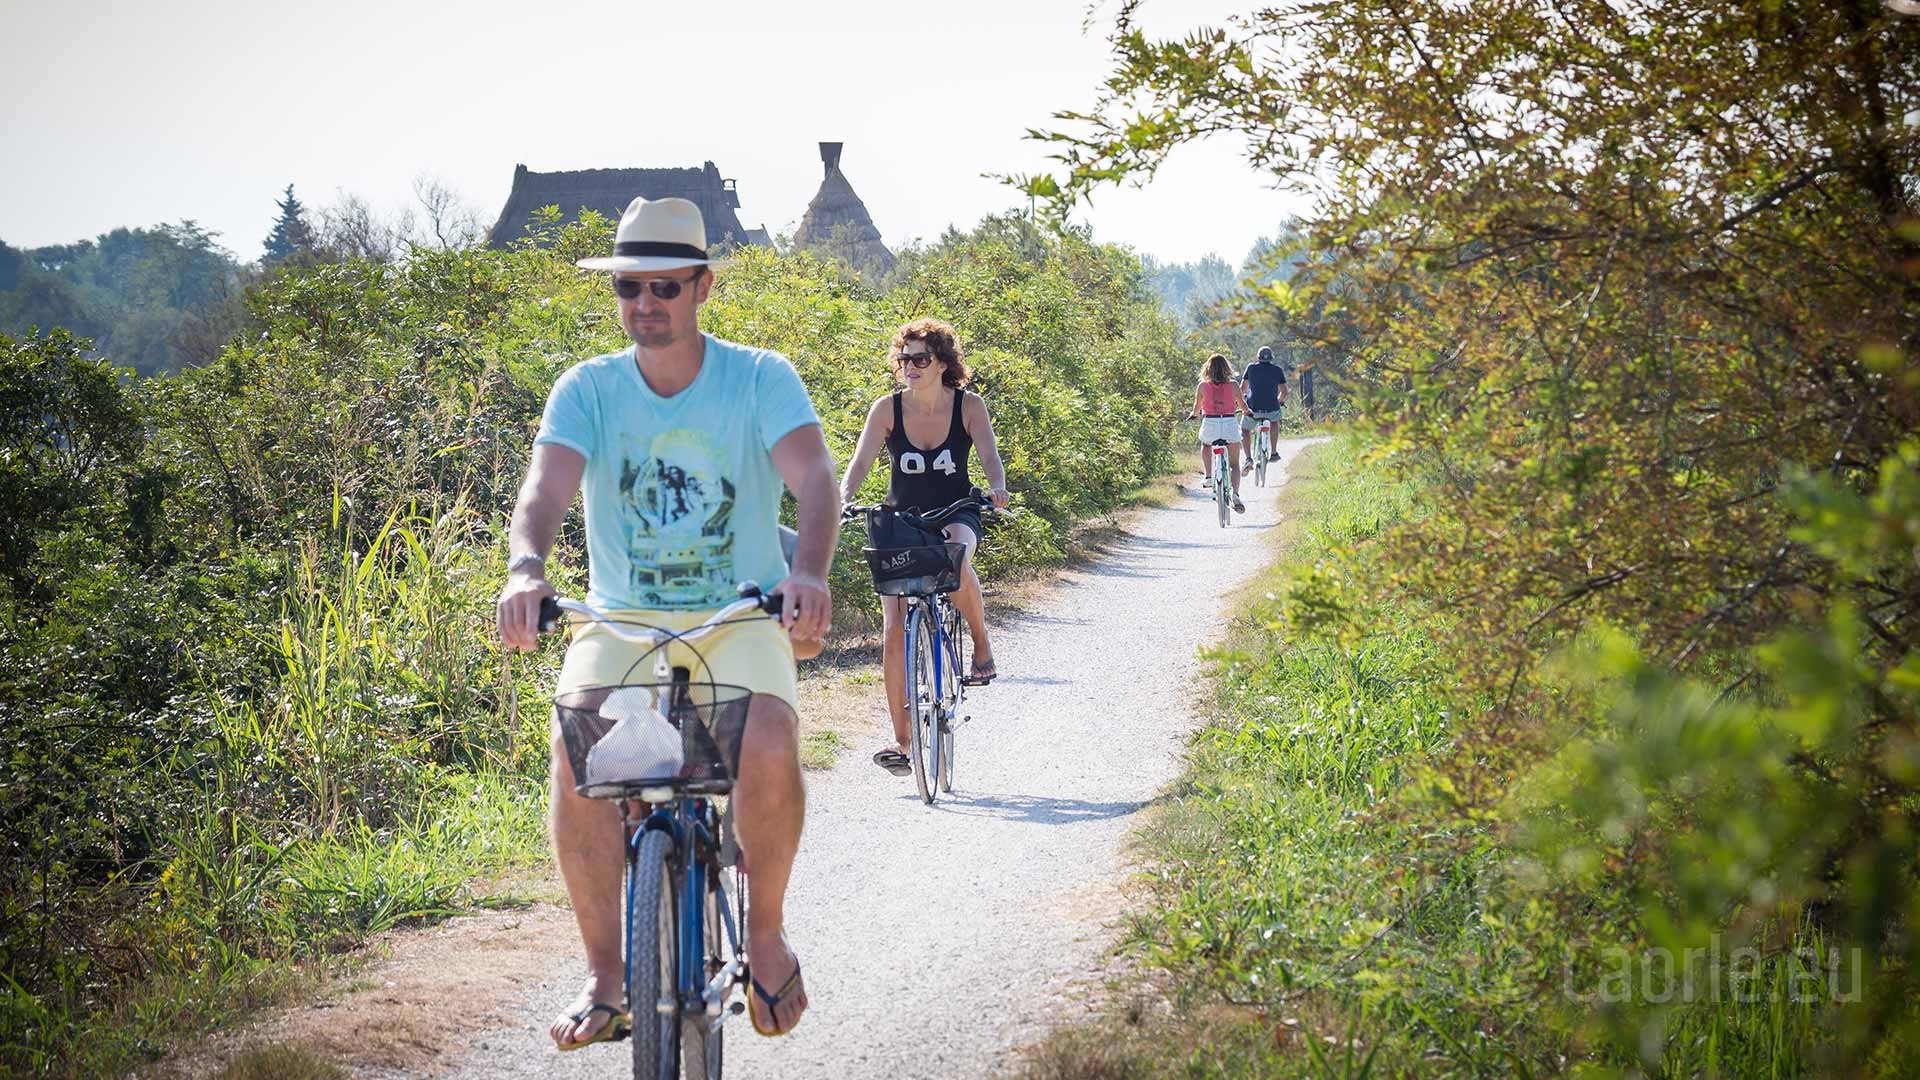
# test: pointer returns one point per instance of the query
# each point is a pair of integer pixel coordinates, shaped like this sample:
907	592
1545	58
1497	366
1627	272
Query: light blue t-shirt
682	499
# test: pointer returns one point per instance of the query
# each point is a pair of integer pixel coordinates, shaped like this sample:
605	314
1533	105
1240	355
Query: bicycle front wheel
923	698
700	1043
653	959
959	648
1223	491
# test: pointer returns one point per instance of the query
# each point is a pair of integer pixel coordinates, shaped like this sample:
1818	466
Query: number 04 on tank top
913	461
934	477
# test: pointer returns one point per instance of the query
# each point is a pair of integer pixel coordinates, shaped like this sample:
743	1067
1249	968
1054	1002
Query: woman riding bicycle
1217	402
928	427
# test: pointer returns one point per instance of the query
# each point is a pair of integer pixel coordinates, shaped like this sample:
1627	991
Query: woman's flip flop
892	760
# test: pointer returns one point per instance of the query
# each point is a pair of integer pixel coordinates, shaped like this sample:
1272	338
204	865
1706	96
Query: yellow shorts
755	654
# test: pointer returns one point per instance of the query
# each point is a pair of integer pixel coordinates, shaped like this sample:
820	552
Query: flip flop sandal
979	676
792	986
892	760
617	1027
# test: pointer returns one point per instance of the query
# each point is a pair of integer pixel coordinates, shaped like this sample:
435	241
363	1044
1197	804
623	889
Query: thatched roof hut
837	223
610	190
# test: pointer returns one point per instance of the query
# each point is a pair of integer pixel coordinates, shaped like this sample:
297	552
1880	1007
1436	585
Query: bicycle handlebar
974	500
751	599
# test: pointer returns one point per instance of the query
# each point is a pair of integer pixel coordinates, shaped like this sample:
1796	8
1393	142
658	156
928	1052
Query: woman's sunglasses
918	360
661	288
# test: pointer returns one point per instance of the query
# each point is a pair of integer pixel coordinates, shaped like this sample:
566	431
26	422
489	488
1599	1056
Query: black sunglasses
661	288
918	360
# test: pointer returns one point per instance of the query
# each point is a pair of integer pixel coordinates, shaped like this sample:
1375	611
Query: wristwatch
520	562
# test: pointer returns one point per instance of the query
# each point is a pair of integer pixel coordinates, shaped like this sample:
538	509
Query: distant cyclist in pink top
1218	403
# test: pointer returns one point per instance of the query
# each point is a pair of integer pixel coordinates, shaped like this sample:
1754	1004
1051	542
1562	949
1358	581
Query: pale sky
119	112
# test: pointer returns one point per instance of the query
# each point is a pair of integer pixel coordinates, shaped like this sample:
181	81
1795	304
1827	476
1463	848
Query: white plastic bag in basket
642	745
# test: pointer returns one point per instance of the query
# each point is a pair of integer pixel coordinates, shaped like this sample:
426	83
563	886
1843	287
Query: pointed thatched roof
610	190
837	223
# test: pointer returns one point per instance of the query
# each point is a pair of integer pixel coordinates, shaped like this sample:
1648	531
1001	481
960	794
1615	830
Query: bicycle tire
1223	491
922	720
701	1048
959	648
1260	461
653	963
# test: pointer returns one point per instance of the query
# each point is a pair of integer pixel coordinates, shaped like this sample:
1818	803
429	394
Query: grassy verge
1314	907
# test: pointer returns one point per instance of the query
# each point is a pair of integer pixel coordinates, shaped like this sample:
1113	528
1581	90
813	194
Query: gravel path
938	939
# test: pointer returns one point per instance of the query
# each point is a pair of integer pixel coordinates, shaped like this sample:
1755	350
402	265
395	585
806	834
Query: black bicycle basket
709	717
916	571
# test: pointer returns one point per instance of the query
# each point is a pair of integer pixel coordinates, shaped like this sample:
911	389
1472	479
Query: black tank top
929	479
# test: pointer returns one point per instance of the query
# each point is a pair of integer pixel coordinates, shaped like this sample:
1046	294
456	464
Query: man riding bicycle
679	447
1264	386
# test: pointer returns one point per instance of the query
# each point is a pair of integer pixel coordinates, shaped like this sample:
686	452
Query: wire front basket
916	571
702	721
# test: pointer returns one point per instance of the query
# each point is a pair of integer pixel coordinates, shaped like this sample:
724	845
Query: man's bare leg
589	843
769	806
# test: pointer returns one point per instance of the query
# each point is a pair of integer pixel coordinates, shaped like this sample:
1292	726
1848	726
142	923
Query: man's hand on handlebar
1001	497
518	614
808	608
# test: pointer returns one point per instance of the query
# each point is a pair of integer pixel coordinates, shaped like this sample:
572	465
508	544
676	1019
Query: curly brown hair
1217	369
942	342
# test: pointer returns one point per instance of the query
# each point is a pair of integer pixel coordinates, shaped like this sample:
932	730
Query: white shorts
1219	427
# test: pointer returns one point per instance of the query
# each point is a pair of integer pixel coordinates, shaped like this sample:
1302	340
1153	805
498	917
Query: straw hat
656	234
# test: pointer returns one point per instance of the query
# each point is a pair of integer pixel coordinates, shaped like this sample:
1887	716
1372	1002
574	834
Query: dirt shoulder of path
385	1010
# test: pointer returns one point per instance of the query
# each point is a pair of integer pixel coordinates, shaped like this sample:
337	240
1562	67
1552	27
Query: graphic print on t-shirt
676	505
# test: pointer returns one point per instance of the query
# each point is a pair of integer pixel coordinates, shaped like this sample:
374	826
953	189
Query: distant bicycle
937	643
1221	474
1262	448
662	749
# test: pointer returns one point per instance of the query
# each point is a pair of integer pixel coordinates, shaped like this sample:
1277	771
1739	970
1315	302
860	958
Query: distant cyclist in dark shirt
927	428
1264	386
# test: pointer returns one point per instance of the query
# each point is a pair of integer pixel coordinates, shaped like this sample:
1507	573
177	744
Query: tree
291	232
130	291
11	261
350	229
68	426
451	223
1618	273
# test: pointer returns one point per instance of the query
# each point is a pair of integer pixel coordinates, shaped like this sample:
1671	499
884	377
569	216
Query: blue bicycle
937	641
686	930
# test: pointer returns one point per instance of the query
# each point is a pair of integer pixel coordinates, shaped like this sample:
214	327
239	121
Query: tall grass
397	757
